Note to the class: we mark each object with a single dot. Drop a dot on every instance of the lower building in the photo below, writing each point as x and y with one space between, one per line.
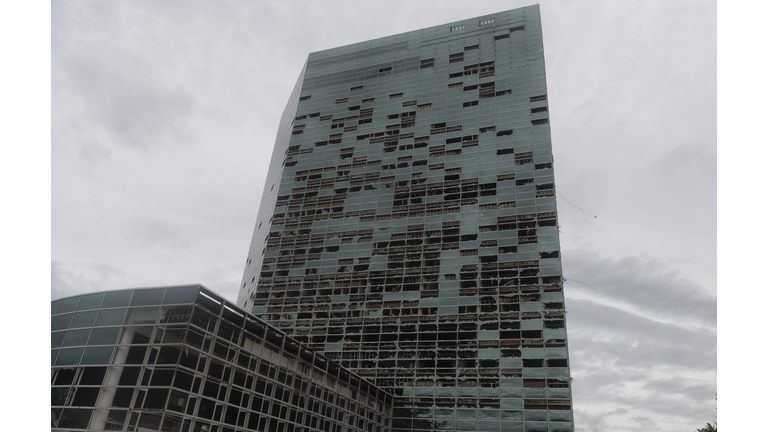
182 359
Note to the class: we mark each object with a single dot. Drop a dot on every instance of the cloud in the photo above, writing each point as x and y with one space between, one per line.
114 86
74 279
640 284
628 365
154 233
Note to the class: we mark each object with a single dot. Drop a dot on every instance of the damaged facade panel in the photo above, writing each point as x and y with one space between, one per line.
426 258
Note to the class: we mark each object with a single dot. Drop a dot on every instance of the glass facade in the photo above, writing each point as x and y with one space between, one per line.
413 236
181 359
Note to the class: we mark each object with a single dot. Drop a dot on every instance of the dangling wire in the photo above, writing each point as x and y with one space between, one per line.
588 213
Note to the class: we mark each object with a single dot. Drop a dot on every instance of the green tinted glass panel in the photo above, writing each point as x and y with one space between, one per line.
68 305
561 427
187 294
535 427
533 415
142 316
560 416
104 336
83 319
57 338
488 414
77 337
512 427
512 415
117 299
69 356
147 297
54 354
110 317
61 322
466 425
97 355
90 301
54 306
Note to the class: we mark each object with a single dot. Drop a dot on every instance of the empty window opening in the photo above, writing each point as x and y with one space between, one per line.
455 58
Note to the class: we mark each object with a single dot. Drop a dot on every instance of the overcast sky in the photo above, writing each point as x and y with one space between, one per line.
164 114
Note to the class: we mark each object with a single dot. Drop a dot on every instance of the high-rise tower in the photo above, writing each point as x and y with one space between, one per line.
408 226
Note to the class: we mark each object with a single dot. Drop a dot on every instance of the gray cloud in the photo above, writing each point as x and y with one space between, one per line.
155 233
650 368
642 342
68 280
136 109
643 283
119 87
